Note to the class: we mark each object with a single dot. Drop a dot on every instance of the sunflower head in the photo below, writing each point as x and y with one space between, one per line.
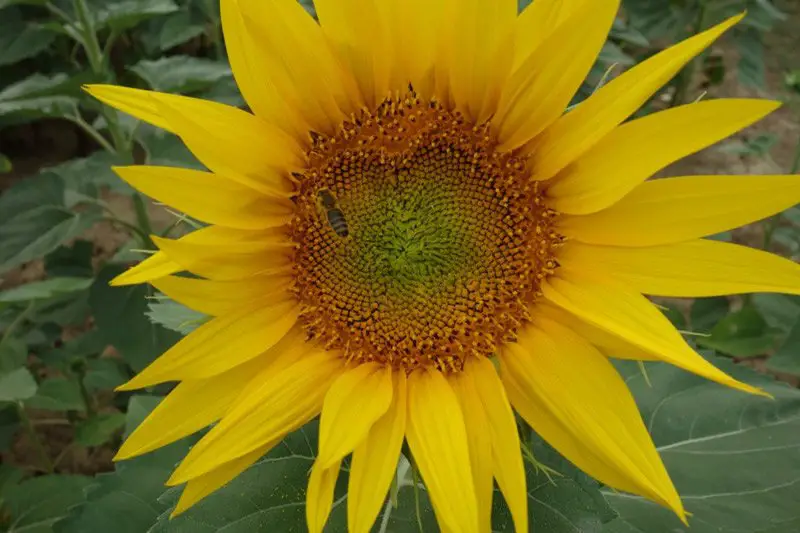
410 233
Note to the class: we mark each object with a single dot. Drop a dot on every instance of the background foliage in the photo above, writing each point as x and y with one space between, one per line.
68 225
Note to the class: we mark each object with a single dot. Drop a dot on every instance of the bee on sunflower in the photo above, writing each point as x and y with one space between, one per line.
498 249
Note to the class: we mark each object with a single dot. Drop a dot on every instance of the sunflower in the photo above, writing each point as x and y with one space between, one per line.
413 235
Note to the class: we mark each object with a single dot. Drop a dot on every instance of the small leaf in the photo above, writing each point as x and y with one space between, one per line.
125 14
31 193
175 316
787 358
21 39
119 313
706 312
104 374
13 353
38 96
42 290
743 333
57 394
17 385
98 429
179 28
181 74
751 57
5 164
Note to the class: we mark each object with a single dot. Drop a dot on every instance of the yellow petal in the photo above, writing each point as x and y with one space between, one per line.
536 22
200 487
283 402
253 76
690 269
220 344
477 423
438 441
225 139
481 34
209 197
608 343
159 265
232 260
355 401
593 119
178 414
319 496
672 210
221 297
507 463
635 151
628 315
572 396
539 91
374 462
301 62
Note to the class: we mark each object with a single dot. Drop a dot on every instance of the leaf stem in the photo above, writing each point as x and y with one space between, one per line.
37 443
93 133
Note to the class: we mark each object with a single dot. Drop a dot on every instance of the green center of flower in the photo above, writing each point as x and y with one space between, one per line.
418 244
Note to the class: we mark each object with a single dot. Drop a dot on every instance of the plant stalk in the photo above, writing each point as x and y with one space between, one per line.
37 443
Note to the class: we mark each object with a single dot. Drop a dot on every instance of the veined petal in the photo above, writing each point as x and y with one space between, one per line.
481 33
572 396
480 442
628 315
230 260
200 487
608 343
178 415
159 265
581 128
254 77
209 197
536 22
283 402
220 344
355 401
690 269
374 461
635 151
438 442
227 140
539 91
506 457
680 209
319 496
301 62
217 298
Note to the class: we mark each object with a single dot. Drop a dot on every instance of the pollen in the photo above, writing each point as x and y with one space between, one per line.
448 240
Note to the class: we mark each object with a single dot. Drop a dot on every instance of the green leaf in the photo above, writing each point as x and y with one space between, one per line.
30 193
104 374
38 96
119 313
121 15
13 353
780 311
168 150
126 501
17 385
85 177
57 394
9 425
787 358
39 232
181 74
751 57
71 261
175 316
80 348
42 290
36 504
706 312
98 429
733 457
9 478
179 28
743 333
21 39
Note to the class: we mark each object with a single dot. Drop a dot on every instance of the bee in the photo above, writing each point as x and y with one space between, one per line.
335 216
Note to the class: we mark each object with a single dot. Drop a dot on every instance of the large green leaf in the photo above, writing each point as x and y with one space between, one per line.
181 74
734 458
42 290
20 39
787 358
29 194
119 313
36 504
